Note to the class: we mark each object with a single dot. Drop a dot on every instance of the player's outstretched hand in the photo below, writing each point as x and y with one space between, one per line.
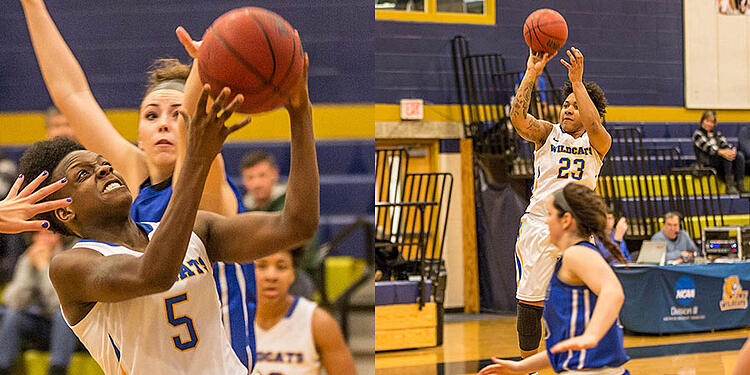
299 96
206 131
18 207
576 343
501 367
575 67
191 46
537 61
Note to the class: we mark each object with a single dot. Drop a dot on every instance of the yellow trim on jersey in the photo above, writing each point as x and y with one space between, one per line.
452 113
330 121
430 14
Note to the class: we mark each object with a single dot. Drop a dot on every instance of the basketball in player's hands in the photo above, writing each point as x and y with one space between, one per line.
255 52
545 30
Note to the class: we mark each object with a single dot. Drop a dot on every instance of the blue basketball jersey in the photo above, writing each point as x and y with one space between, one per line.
235 283
567 312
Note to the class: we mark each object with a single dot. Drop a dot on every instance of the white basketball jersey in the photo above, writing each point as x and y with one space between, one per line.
178 331
288 348
562 159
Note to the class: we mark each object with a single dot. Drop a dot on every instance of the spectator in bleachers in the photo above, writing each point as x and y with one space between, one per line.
33 310
713 150
294 336
680 247
57 125
617 234
260 177
743 145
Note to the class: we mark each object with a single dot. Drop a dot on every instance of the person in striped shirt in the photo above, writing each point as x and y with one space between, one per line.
713 150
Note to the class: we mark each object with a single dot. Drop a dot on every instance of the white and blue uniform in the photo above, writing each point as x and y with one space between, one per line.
562 159
235 282
288 348
178 331
567 312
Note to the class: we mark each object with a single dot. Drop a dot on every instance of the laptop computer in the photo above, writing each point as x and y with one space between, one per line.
652 252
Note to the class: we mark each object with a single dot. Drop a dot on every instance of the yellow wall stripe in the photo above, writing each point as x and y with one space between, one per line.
451 112
330 121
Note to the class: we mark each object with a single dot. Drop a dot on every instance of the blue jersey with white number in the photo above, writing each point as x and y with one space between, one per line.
567 312
235 283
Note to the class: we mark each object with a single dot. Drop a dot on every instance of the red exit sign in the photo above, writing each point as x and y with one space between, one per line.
412 109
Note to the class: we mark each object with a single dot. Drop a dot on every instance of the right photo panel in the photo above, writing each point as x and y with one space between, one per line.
560 187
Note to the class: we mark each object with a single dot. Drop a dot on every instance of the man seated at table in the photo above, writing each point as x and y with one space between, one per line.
680 247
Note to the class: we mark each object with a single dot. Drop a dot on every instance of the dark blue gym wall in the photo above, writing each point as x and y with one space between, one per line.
632 48
115 42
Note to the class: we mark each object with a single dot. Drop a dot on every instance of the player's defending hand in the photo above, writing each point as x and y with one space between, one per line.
501 367
206 131
583 341
575 67
17 207
537 61
191 46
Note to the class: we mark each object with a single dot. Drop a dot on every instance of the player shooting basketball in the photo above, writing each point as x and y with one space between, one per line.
571 151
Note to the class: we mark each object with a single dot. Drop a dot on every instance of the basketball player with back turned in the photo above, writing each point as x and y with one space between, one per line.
571 151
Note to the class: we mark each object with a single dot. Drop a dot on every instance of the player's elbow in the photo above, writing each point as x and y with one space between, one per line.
159 283
302 226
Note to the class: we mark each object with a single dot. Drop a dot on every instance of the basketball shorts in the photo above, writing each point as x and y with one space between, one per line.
535 259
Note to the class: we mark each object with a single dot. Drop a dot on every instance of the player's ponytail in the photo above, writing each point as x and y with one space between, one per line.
590 213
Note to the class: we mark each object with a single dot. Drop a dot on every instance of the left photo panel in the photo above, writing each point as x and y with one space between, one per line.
187 187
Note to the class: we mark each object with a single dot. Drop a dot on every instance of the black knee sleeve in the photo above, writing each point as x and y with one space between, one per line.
529 326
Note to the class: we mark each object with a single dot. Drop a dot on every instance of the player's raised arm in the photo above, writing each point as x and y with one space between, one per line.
249 236
217 196
71 93
528 127
82 275
592 122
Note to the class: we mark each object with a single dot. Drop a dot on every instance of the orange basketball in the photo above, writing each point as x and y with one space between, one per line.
255 52
545 30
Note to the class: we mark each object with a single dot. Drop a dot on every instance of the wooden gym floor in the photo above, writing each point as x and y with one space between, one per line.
470 341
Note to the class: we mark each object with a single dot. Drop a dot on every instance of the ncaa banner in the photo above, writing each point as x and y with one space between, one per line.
685 298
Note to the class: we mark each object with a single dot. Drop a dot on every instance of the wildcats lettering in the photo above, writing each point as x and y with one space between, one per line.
280 357
571 150
191 268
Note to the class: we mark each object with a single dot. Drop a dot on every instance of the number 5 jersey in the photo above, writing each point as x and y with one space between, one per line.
178 331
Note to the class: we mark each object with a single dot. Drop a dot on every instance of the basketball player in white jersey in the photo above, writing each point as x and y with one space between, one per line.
141 296
571 151
294 336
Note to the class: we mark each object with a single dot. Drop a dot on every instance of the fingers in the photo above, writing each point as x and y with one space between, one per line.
203 100
184 37
566 63
239 125
219 103
229 110
29 226
33 185
51 205
47 190
14 189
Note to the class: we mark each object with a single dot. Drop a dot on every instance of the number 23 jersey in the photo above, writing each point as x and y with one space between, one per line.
562 159
178 331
